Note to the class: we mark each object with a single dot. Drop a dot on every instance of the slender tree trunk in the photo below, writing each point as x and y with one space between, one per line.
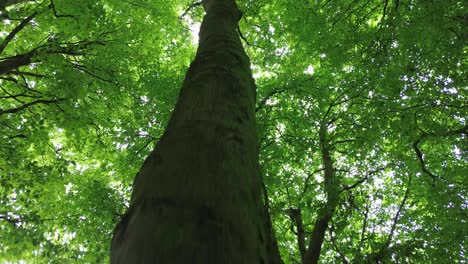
197 198
326 212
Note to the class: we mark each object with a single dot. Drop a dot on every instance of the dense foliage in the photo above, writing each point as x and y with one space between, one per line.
380 86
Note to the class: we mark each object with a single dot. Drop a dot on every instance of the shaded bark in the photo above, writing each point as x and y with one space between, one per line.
197 197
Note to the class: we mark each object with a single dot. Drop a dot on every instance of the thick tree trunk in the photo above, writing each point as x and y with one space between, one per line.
197 198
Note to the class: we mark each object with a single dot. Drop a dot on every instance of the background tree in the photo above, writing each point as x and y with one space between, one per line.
383 80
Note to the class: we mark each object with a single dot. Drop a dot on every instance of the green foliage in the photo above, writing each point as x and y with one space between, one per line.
86 88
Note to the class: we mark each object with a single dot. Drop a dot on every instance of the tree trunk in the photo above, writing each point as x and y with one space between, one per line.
326 212
197 198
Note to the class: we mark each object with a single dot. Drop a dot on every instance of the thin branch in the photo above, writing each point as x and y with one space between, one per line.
193 5
17 136
152 140
270 95
4 216
15 97
83 69
363 231
25 106
346 188
384 13
461 131
32 74
242 36
267 145
333 240
309 176
52 5
342 141
386 245
11 64
9 79
422 161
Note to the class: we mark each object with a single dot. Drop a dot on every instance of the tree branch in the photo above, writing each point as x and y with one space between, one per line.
242 36
14 62
331 186
421 160
15 31
296 218
346 188
384 13
32 74
17 109
386 245
363 231
273 247
463 131
193 5
11 64
52 5
271 94
333 240
306 182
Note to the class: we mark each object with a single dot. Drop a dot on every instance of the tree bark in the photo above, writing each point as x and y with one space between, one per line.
197 197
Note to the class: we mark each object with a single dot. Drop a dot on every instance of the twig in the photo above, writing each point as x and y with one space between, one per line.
386 245
52 5
242 36
189 9
346 188
333 240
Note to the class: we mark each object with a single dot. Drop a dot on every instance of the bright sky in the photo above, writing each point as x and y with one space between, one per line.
194 29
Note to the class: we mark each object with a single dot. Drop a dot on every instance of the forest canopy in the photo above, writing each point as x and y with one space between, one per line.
376 90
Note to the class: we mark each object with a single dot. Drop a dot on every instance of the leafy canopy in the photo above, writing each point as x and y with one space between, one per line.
86 88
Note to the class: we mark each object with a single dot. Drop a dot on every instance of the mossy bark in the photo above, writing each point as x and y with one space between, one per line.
197 198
